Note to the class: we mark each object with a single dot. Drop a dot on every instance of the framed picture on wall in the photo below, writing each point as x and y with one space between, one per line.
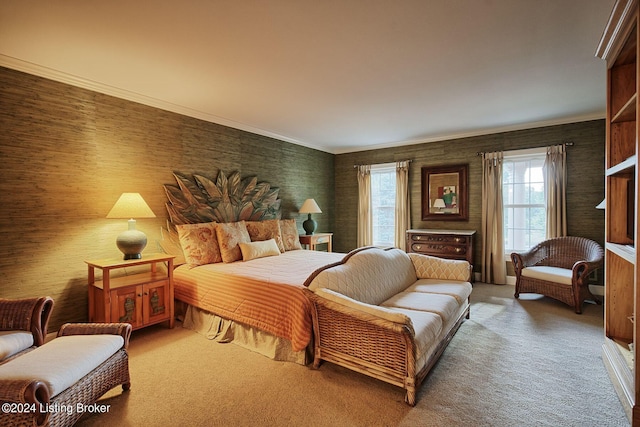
444 193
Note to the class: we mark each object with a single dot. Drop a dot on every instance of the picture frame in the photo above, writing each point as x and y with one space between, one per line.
444 193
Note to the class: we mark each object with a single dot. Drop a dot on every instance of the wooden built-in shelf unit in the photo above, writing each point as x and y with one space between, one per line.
619 48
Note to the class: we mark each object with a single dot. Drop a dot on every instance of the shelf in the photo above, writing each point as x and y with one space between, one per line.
625 352
134 279
619 47
626 252
625 166
628 111
111 263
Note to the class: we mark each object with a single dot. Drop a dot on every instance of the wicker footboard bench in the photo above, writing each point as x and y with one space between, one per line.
388 314
55 383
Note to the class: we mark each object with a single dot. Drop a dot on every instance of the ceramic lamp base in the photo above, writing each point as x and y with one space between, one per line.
131 243
309 225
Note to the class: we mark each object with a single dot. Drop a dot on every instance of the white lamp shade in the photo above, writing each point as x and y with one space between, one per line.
310 206
439 203
131 205
131 242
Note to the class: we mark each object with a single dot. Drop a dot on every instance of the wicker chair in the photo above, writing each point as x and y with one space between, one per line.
559 268
26 315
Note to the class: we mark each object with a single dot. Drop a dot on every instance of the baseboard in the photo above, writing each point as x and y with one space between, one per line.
595 289
511 280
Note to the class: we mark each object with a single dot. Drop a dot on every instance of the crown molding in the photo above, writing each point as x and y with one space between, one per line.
70 79
620 24
61 77
478 132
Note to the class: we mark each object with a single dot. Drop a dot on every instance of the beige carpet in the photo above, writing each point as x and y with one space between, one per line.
532 362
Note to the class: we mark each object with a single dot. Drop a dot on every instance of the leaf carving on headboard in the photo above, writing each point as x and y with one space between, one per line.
227 199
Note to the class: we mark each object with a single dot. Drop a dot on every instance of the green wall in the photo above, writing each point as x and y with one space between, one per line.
585 163
68 153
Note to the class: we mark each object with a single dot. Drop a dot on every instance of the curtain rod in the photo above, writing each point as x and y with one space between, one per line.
408 161
567 143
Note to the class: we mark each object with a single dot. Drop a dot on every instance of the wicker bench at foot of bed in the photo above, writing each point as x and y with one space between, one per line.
33 395
377 348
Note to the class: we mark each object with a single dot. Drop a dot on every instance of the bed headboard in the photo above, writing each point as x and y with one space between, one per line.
229 198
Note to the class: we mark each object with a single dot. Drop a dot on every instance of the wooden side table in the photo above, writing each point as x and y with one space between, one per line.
141 299
312 240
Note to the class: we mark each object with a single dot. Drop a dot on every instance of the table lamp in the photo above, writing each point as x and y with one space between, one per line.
309 207
439 204
131 205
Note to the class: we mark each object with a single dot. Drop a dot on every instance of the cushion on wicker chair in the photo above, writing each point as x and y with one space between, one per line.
427 327
445 306
460 291
384 313
551 274
63 361
12 342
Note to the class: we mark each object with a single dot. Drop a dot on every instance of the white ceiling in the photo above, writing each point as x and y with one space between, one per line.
336 75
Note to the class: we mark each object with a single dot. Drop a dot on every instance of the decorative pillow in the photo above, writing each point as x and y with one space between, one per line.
259 249
265 230
430 267
290 237
199 243
230 234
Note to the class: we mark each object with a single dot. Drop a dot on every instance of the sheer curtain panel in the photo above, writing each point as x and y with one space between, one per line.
494 269
365 229
555 174
403 217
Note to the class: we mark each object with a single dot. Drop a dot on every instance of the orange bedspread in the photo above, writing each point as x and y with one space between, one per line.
265 293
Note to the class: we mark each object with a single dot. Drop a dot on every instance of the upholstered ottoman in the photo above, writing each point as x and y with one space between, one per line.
57 382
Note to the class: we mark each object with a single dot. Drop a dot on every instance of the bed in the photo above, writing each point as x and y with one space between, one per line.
240 269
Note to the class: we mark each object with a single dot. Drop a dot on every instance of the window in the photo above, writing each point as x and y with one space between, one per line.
383 204
524 200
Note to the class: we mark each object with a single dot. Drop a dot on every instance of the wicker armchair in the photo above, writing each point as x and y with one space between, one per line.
27 315
559 268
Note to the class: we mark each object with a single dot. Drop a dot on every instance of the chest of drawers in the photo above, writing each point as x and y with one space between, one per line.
450 244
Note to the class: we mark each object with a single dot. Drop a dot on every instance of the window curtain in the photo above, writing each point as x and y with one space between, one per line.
494 269
365 220
403 217
555 178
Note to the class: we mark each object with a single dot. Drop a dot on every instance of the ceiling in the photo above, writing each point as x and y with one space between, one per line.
336 75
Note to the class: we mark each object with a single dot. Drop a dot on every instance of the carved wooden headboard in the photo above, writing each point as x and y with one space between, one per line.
228 199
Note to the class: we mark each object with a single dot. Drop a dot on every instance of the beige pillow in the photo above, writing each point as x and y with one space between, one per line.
430 267
230 234
290 238
199 243
265 230
259 249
